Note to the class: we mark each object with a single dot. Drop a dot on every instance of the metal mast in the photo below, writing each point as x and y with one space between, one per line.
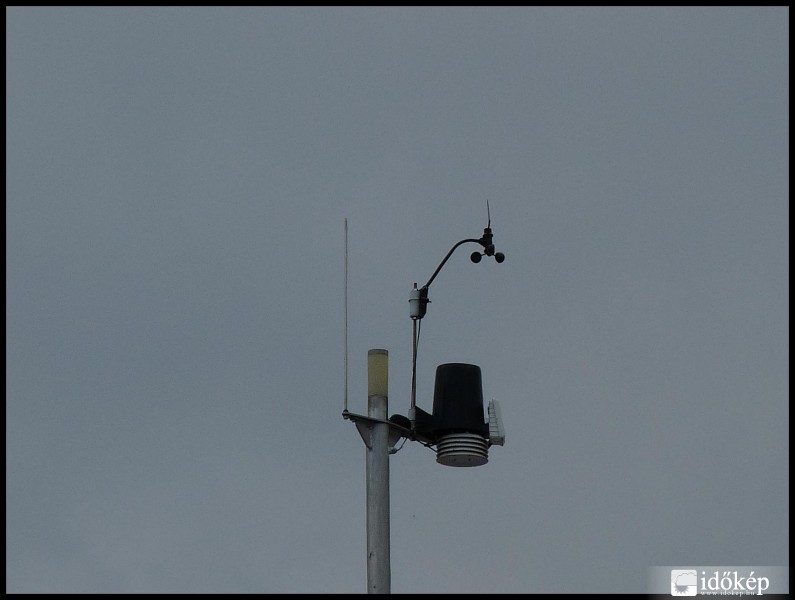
456 426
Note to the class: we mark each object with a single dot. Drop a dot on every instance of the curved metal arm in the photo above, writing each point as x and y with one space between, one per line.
449 254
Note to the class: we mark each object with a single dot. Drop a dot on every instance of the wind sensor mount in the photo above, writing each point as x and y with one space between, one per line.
418 298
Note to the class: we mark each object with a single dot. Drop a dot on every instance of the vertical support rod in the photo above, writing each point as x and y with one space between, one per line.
412 407
345 301
378 564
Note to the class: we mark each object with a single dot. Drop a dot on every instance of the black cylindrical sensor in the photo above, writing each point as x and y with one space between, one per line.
458 399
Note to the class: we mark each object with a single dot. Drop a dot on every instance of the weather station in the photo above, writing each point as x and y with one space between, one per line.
456 428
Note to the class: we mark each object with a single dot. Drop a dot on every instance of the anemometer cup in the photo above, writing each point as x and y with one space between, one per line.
476 257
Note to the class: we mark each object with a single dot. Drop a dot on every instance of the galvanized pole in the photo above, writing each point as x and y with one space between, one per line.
378 568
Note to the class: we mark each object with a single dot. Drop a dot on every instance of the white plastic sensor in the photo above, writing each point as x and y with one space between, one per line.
414 303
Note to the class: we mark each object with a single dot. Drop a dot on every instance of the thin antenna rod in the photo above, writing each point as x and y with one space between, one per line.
488 212
345 404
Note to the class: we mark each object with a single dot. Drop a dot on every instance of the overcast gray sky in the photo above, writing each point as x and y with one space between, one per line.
177 181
